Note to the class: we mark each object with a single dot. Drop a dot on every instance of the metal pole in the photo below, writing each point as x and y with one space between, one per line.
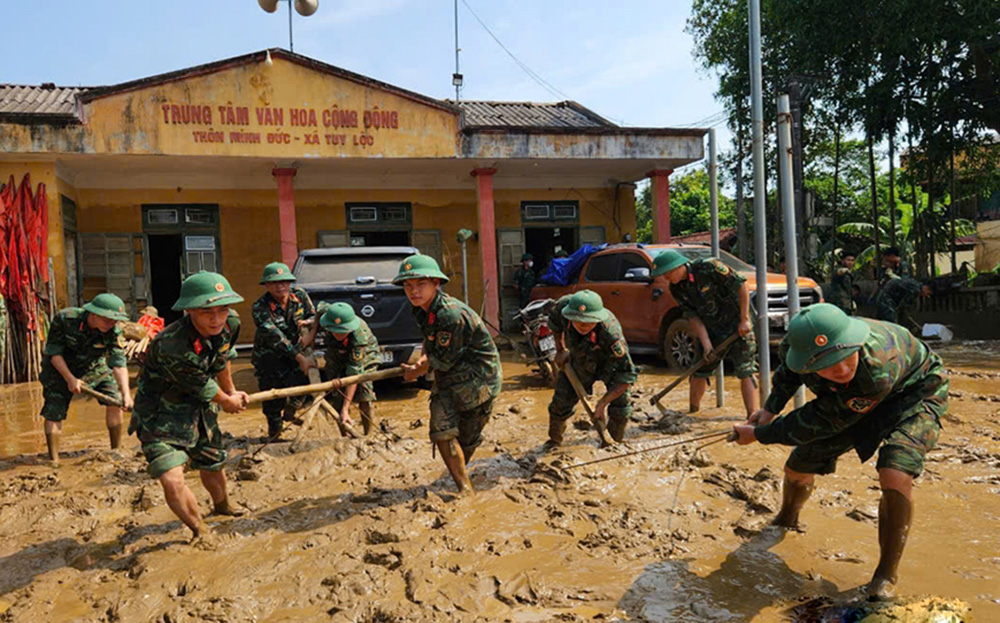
787 195
713 192
291 46
759 214
465 273
456 55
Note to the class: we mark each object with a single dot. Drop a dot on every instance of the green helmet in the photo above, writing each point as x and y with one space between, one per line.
339 318
205 289
822 335
276 271
527 256
419 267
666 261
585 306
107 305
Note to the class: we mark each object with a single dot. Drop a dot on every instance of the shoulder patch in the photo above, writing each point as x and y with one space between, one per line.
443 338
357 354
619 349
861 404
121 341
224 347
721 268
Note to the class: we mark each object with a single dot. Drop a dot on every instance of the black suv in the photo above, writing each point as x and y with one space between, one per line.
362 277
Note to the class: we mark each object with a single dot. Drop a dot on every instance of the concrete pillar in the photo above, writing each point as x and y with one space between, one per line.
488 243
660 187
286 215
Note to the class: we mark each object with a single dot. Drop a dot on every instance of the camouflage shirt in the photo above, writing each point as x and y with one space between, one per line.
897 292
461 353
894 272
894 368
842 294
277 339
177 382
86 351
354 355
602 354
525 279
711 292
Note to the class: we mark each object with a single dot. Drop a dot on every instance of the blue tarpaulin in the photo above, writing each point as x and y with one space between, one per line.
562 270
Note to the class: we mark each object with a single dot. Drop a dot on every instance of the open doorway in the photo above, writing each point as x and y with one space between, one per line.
165 252
543 243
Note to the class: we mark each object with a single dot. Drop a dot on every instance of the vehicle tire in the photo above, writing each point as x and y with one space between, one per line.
680 346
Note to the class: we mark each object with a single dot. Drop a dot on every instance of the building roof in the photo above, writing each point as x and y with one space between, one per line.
506 115
46 102
726 235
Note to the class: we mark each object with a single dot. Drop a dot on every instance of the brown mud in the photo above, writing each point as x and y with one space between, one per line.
371 530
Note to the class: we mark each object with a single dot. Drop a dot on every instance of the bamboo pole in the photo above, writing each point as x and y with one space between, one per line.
301 390
307 419
101 396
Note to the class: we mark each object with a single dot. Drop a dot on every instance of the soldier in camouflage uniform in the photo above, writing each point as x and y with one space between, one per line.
589 337
282 316
877 388
351 349
897 297
466 365
842 294
185 375
716 301
84 346
525 279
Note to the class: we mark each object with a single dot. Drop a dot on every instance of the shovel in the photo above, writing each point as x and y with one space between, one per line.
712 355
581 393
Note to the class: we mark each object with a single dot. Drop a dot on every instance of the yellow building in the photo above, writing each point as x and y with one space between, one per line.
234 164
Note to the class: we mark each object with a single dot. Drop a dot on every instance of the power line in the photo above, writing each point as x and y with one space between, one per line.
534 76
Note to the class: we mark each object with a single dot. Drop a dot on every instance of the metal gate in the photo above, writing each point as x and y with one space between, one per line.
510 247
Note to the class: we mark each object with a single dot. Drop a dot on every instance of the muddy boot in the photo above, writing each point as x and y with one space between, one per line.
115 435
616 428
895 514
793 498
693 408
288 413
556 429
273 430
367 410
52 441
451 452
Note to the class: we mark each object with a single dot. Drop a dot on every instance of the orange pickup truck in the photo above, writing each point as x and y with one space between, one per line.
649 314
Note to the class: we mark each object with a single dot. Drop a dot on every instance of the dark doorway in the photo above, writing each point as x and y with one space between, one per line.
543 243
390 238
165 252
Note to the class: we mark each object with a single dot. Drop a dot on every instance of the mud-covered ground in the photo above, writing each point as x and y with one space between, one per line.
370 530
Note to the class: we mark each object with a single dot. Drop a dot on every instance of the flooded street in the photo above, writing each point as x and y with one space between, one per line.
370 530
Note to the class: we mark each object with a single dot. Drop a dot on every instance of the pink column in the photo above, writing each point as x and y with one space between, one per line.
660 180
286 215
488 243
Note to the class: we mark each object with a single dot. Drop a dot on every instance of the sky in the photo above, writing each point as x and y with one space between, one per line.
630 60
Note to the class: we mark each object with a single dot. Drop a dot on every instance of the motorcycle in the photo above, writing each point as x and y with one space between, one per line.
539 346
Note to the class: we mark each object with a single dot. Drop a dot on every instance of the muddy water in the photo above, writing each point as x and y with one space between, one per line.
370 530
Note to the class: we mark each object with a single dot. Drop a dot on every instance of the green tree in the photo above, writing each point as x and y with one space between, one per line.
690 207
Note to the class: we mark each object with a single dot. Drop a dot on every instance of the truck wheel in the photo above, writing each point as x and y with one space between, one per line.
680 346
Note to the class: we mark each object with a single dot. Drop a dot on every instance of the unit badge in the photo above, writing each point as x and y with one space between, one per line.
444 338
861 405
618 349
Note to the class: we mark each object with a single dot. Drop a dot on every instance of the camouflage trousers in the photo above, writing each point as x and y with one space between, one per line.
278 378
889 310
743 354
57 396
915 426
466 426
564 401
364 393
170 447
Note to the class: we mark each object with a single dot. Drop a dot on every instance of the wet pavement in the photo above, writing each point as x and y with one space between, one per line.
371 530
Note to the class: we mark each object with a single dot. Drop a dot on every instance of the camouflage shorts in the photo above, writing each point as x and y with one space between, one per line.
205 454
564 401
57 396
466 426
364 393
903 448
743 354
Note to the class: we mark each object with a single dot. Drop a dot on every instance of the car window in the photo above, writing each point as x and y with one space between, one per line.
603 267
347 268
630 260
700 253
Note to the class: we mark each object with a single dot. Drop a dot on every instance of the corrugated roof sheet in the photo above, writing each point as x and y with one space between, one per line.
42 101
565 114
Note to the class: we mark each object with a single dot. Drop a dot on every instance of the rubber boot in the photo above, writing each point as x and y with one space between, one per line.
288 413
367 410
273 429
115 435
793 498
52 441
616 428
895 515
451 452
556 429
